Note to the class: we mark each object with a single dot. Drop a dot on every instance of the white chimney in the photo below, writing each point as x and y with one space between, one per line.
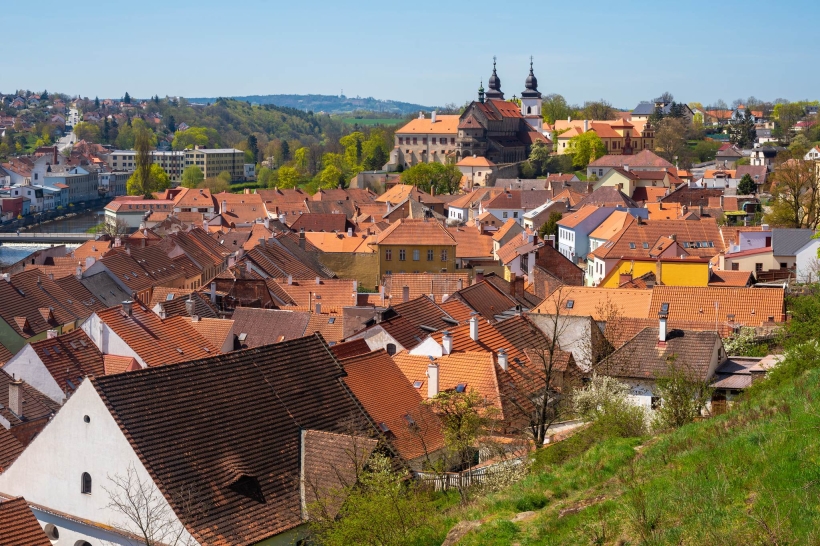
586 125
319 308
189 305
6 277
51 334
447 342
474 328
318 280
89 261
502 359
405 294
662 327
459 284
432 379
290 280
126 307
213 293
224 208
433 117
16 396
350 232
162 314
389 206
79 273
282 219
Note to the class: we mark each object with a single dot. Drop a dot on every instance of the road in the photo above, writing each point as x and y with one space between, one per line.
28 237
70 139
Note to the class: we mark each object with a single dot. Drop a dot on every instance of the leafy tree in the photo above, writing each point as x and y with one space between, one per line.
157 180
195 136
742 130
670 138
225 176
746 186
425 176
555 107
683 395
795 193
192 176
799 146
586 148
600 110
376 151
88 131
539 155
353 145
787 115
215 185
300 159
330 177
127 98
667 97
550 227
289 177
705 150
264 176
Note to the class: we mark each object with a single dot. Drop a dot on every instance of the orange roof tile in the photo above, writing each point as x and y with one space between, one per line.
409 231
331 326
423 284
390 398
445 124
750 306
333 294
457 309
18 525
471 243
120 364
214 330
339 242
612 225
573 219
475 161
591 302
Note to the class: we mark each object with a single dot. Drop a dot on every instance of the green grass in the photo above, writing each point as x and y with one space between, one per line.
95 229
372 121
581 174
751 476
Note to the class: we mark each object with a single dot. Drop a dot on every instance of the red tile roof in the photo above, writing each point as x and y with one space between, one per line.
423 284
409 231
486 299
750 306
10 449
19 526
333 294
389 398
70 357
119 364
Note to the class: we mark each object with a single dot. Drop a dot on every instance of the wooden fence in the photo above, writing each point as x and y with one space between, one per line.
442 481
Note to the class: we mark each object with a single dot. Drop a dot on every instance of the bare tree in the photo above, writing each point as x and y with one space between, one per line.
114 229
795 192
148 514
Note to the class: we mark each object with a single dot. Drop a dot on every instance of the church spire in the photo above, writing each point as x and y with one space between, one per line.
481 92
531 85
494 85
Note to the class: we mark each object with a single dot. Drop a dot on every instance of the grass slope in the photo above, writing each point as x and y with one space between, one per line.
751 476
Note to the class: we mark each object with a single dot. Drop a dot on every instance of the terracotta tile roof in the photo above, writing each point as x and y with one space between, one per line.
405 332
400 192
423 284
471 243
570 220
471 199
409 231
389 398
332 463
78 293
276 261
607 196
349 349
69 358
502 232
699 238
321 222
19 526
644 357
194 198
663 211
623 329
166 293
486 299
36 405
330 326
718 277
266 326
422 312
284 389
120 364
519 199
157 342
646 194
333 294
178 307
642 159
588 301
215 330
474 161
27 294
750 306
445 124
10 449
58 268
527 299
612 225
457 309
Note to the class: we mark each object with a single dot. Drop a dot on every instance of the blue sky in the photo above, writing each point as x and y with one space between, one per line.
427 52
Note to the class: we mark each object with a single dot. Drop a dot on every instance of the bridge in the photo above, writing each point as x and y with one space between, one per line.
45 238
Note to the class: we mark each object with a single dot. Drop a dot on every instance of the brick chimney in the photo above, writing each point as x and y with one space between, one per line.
479 275
624 278
16 396
189 305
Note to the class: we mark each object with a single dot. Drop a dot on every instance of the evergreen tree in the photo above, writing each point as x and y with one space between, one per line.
285 150
106 130
44 96
746 186
156 99
172 124
127 98
96 103
656 117
253 147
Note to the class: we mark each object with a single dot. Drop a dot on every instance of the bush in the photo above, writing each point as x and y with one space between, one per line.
531 501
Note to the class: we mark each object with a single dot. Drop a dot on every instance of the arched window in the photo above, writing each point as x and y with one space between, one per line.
391 349
529 109
85 486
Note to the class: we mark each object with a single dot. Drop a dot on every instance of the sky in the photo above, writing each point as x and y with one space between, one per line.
425 52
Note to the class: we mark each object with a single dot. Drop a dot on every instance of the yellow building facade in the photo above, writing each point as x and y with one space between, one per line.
415 246
675 272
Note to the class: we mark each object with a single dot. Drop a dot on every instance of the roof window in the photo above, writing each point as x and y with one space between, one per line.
243 336
417 384
461 387
570 304
383 427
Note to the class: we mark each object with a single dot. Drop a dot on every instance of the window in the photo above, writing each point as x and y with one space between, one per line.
504 214
443 255
402 255
515 215
758 268
783 265
415 140
85 486
735 267
401 140
424 140
429 255
416 254
388 254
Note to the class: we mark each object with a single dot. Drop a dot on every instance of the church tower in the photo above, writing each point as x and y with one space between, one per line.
494 85
531 102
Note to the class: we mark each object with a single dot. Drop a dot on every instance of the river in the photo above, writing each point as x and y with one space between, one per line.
11 253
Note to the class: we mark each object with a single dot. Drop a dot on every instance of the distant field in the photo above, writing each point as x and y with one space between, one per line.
374 121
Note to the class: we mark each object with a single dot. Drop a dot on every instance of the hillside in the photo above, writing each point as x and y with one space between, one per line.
328 104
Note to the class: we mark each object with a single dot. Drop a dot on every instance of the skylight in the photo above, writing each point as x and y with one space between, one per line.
665 308
169 297
331 320
417 384
383 427
570 304
243 336
461 387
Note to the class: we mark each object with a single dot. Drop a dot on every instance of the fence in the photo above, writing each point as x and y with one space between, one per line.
466 478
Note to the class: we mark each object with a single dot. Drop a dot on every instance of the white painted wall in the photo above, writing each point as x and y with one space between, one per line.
107 341
377 338
805 261
49 471
428 347
28 366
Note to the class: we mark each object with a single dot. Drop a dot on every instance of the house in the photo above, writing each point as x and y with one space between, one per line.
415 246
813 154
646 109
765 156
727 156
629 181
438 286
477 171
425 140
308 422
488 301
756 172
575 227
18 525
620 137
645 160
797 250
558 204
513 204
650 355
465 208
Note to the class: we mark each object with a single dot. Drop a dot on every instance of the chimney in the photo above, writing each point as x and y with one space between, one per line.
89 261
213 293
626 168
432 379
261 241
302 238
479 275
447 342
513 278
51 334
247 191
639 220
459 283
405 294
162 314
318 281
663 315
79 273
266 222
318 308
282 218
189 305
586 125
433 117
502 359
389 207
16 396
6 277
350 232
474 328
117 242
126 307
624 278
290 280
224 208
